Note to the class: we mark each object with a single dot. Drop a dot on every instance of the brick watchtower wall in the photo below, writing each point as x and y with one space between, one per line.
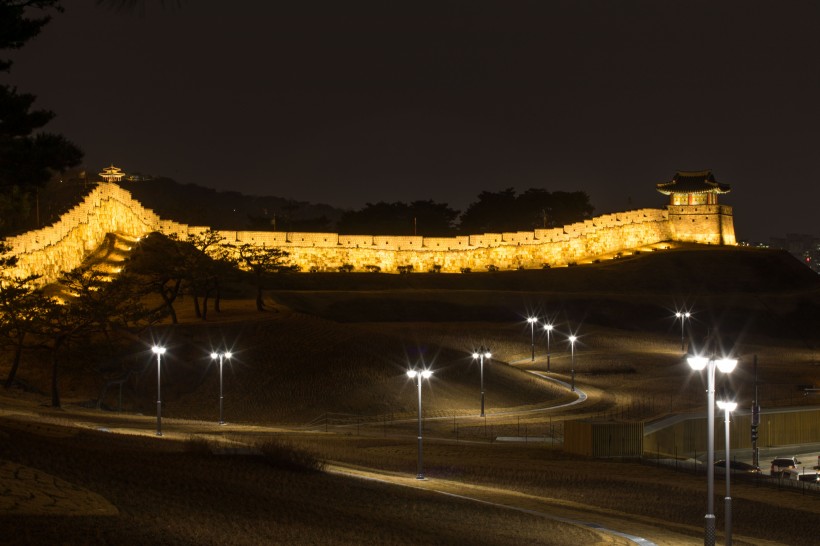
705 224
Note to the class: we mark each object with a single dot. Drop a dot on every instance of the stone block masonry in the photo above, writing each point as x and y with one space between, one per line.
64 245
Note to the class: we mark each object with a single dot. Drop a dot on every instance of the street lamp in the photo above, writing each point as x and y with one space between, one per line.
220 356
532 321
728 406
548 328
418 375
725 365
481 355
159 351
682 316
572 339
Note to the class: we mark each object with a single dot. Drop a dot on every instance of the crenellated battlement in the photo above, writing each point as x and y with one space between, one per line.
109 208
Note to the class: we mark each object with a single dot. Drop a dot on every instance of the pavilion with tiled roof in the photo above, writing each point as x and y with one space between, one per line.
693 188
112 174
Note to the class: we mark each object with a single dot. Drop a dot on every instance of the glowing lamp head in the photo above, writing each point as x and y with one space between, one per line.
228 355
214 356
488 354
727 405
532 320
158 350
426 374
548 327
411 373
687 314
697 363
572 339
678 314
476 355
726 365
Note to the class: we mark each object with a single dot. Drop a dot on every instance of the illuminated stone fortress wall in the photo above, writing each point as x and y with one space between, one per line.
64 245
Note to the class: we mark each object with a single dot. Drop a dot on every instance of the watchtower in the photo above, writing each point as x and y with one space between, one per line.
112 174
694 213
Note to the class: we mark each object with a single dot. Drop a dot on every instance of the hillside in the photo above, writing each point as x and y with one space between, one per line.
739 289
200 206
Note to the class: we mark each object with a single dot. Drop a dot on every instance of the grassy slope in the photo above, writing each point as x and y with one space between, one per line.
178 494
293 367
736 288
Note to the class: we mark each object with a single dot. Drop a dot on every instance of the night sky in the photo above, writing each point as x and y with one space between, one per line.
349 102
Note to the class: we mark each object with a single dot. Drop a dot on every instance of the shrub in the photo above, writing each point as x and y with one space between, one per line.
435 269
285 456
492 268
314 269
345 268
197 445
545 265
466 270
372 268
404 269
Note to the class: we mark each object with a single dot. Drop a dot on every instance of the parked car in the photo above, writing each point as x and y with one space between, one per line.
811 476
782 466
737 466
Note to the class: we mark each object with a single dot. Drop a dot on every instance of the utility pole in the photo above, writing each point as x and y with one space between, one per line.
755 421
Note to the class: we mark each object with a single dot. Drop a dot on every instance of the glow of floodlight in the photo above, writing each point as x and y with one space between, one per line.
727 405
697 363
726 365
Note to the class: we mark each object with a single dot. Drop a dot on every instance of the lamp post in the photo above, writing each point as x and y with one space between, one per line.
682 316
572 340
418 375
481 355
728 406
220 356
159 351
548 328
725 365
532 321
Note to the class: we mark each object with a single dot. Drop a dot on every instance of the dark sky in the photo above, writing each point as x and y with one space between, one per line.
348 102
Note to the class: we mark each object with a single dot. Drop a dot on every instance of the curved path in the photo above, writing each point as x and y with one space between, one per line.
609 523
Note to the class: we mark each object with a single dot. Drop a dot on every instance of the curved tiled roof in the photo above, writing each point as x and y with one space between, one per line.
693 182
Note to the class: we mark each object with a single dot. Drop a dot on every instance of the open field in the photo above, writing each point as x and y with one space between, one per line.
324 374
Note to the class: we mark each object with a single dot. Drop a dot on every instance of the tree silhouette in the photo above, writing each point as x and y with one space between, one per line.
503 211
262 262
21 302
417 218
28 158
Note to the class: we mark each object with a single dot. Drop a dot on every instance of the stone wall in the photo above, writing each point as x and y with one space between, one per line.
706 224
110 209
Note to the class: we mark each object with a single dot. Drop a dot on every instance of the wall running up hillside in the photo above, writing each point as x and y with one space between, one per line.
110 209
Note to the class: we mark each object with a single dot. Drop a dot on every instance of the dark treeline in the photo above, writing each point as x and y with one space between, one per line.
29 156
492 212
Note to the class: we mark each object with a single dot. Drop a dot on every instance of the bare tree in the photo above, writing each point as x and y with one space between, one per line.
262 262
